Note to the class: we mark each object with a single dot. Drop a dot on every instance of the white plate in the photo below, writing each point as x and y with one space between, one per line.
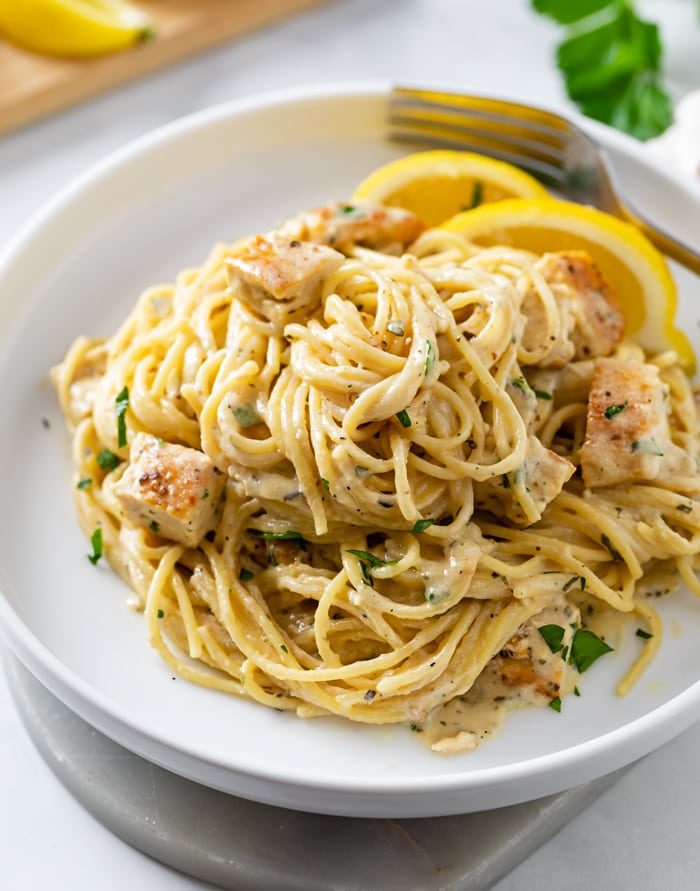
139 217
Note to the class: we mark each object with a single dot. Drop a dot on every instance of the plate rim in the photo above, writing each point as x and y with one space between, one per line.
667 719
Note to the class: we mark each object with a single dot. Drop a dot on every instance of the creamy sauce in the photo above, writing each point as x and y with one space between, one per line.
525 674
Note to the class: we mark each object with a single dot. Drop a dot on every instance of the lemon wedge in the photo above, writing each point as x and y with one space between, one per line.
633 266
436 185
74 28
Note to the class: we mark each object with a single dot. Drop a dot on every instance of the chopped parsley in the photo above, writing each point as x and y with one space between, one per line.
421 525
107 460
246 415
646 446
553 636
477 194
153 526
520 384
370 559
278 536
613 410
284 648
541 394
645 635
404 418
555 704
429 359
84 483
96 541
121 404
435 595
289 535
160 613
245 575
326 485
586 648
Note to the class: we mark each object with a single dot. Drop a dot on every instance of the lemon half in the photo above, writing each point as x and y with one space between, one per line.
633 266
436 185
74 28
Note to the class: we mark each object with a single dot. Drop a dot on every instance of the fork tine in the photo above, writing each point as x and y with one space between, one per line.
530 138
421 133
538 118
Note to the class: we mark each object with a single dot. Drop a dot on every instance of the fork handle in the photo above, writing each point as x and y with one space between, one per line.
673 248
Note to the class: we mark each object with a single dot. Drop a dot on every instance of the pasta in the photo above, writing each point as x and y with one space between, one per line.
351 467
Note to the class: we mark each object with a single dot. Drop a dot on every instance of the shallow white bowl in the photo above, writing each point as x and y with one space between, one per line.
147 211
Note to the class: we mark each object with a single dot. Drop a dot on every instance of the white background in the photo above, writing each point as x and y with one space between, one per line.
641 834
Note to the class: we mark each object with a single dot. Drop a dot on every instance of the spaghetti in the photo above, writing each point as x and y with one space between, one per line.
343 467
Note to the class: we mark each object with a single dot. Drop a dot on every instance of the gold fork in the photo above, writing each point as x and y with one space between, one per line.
546 145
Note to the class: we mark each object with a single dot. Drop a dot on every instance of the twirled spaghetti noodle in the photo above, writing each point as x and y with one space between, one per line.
398 442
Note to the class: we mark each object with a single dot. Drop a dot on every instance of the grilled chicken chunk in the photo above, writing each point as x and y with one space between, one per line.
279 277
627 431
527 662
593 322
543 475
172 489
372 225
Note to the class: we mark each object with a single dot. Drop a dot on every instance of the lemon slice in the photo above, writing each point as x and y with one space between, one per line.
633 266
74 28
436 185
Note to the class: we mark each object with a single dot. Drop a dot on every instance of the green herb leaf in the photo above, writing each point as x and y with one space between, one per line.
429 359
160 614
404 418
290 534
613 410
421 525
246 415
245 575
284 648
326 485
541 394
520 383
553 636
555 704
121 404
370 559
154 527
646 446
646 635
477 194
84 483
107 460
611 62
96 541
586 648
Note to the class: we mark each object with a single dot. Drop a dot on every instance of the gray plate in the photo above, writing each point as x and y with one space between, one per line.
245 846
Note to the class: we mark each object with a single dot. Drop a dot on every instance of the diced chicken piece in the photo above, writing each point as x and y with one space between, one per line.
171 489
527 661
592 322
279 277
543 476
599 320
627 431
371 225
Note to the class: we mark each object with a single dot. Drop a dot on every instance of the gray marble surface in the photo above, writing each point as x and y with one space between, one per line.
640 834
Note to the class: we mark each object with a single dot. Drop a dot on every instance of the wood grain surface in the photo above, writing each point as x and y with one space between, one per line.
32 86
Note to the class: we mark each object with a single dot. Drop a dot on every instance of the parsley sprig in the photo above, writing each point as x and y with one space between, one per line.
611 62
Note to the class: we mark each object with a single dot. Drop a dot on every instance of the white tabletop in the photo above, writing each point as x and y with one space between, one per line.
639 835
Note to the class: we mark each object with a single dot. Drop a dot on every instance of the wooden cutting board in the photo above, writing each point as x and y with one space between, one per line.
32 86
